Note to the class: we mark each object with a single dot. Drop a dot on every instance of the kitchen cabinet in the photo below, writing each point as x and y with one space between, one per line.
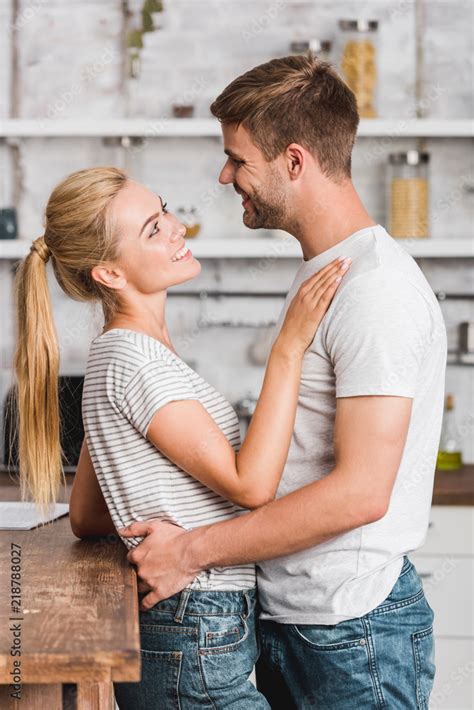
446 565
454 688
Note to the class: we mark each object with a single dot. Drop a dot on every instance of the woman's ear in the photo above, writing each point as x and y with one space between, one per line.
109 276
295 160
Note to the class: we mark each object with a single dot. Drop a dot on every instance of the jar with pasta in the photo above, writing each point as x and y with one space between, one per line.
408 194
359 62
190 218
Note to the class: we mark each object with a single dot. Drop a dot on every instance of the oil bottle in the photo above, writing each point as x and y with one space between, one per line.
449 453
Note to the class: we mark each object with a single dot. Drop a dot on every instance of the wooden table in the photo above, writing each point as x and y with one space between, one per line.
80 610
76 620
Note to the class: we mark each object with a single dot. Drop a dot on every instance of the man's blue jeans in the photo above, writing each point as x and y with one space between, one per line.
384 659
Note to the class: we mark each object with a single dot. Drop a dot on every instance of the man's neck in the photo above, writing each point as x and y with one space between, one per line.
326 221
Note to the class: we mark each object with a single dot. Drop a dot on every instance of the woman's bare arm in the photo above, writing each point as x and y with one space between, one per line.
188 436
88 512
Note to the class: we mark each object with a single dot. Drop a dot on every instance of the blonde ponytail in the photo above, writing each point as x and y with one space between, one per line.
37 367
78 236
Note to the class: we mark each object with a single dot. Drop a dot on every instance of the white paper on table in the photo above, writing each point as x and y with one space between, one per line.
22 515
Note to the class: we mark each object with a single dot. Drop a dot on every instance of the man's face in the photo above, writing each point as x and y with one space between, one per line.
258 182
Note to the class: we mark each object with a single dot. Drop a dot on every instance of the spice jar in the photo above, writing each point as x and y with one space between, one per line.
408 194
183 110
359 62
190 218
319 47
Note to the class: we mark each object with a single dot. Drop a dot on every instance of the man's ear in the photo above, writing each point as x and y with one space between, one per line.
109 276
295 160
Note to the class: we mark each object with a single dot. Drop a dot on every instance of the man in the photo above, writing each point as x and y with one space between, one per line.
344 621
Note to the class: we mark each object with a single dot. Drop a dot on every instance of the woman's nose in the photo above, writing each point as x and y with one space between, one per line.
178 233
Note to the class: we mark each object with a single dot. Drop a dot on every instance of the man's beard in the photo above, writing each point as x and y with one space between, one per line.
269 208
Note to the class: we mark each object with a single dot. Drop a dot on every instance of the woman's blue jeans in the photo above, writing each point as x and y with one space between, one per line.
198 650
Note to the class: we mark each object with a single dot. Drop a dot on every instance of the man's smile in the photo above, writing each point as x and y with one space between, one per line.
246 201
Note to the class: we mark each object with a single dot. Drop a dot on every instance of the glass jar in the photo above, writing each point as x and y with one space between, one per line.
8 223
359 62
408 194
319 47
190 218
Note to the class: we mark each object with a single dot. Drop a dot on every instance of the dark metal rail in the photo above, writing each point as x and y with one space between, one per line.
440 295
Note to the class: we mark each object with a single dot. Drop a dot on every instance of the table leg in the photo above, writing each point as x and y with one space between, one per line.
95 696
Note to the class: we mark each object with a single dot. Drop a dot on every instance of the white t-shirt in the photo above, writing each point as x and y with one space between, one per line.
383 334
129 377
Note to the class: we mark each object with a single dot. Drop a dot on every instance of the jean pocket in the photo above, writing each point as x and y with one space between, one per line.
222 633
424 659
346 634
226 663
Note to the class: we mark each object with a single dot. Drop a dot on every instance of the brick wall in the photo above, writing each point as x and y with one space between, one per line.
69 62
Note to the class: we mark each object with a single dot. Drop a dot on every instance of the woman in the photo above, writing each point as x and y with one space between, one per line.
163 443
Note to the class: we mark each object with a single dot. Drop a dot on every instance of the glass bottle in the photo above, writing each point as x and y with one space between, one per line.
359 62
449 453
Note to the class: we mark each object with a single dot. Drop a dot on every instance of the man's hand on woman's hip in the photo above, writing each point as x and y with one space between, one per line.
162 559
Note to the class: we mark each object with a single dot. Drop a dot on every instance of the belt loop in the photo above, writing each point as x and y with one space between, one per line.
248 607
182 604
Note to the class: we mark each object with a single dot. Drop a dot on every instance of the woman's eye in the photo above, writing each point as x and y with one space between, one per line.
155 230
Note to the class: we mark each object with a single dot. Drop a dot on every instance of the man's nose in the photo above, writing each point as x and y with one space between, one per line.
227 175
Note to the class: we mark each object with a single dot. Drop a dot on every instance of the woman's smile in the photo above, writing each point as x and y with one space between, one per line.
183 253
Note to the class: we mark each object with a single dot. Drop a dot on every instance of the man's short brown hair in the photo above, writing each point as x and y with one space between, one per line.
296 99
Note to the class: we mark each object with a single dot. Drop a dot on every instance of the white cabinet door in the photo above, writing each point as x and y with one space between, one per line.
451 531
449 587
454 681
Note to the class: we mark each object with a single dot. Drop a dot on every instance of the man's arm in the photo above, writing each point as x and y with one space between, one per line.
369 439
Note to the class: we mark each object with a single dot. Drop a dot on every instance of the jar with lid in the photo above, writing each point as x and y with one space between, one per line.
408 197
190 218
359 62
319 47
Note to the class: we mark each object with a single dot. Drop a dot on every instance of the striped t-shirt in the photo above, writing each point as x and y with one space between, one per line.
129 377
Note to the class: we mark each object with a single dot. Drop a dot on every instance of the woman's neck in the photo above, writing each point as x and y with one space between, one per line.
156 330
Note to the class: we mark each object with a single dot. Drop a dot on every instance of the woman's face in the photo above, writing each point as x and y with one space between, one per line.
153 251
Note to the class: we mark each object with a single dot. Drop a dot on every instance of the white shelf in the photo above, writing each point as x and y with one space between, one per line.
439 248
205 127
34 128
421 128
268 248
